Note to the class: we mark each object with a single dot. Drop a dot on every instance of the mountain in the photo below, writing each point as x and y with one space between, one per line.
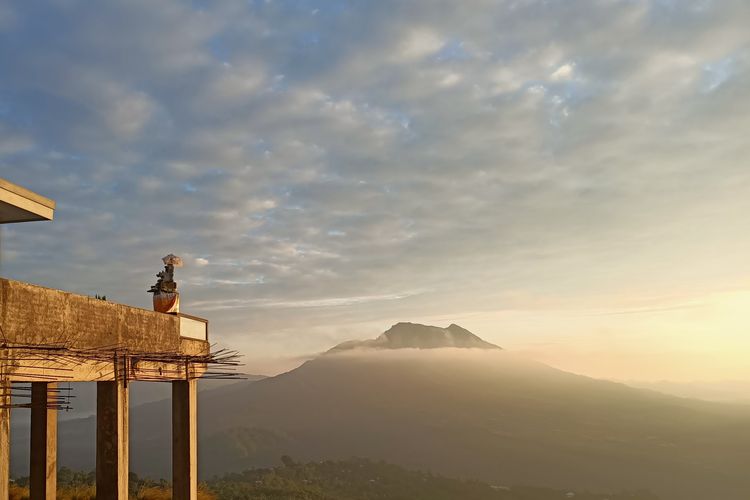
484 413
416 336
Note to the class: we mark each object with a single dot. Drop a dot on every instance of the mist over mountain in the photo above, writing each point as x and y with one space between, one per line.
728 391
415 336
481 413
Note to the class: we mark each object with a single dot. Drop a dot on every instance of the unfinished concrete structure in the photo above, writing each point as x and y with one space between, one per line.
48 336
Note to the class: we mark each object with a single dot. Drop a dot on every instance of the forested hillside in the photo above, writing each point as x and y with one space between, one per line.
361 479
353 479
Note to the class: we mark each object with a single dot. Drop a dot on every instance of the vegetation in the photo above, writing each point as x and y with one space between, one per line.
77 485
361 479
353 479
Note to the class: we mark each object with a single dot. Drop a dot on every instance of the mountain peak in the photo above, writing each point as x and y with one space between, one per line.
406 335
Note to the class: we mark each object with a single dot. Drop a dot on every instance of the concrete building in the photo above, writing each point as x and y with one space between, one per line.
50 336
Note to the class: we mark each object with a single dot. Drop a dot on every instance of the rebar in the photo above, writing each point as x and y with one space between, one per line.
22 360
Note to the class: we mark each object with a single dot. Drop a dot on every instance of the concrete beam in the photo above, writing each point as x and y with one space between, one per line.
100 371
4 438
112 440
185 439
43 463
18 204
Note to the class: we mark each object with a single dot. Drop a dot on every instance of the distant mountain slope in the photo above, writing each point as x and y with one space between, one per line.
478 413
730 391
416 336
84 394
84 410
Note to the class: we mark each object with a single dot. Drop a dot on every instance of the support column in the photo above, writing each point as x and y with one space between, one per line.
185 439
4 438
43 464
111 440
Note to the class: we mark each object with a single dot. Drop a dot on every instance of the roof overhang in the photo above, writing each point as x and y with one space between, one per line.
18 204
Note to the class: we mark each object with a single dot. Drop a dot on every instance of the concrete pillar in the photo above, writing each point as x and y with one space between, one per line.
43 455
111 440
4 438
185 440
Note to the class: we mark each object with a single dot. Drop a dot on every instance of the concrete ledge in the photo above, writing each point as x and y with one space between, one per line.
18 204
31 315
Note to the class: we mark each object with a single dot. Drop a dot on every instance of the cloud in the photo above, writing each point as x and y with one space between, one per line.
320 302
373 149
419 42
13 142
450 79
564 72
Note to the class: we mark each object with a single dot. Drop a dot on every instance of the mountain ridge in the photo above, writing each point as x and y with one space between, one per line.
407 335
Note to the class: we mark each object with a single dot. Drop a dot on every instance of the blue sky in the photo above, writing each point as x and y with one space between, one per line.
523 168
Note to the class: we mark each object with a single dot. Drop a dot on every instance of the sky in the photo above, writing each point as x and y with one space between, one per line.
567 179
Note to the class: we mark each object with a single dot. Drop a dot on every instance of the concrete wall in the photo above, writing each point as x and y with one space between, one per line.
32 314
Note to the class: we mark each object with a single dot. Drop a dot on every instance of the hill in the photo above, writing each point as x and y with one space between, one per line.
473 413
361 479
